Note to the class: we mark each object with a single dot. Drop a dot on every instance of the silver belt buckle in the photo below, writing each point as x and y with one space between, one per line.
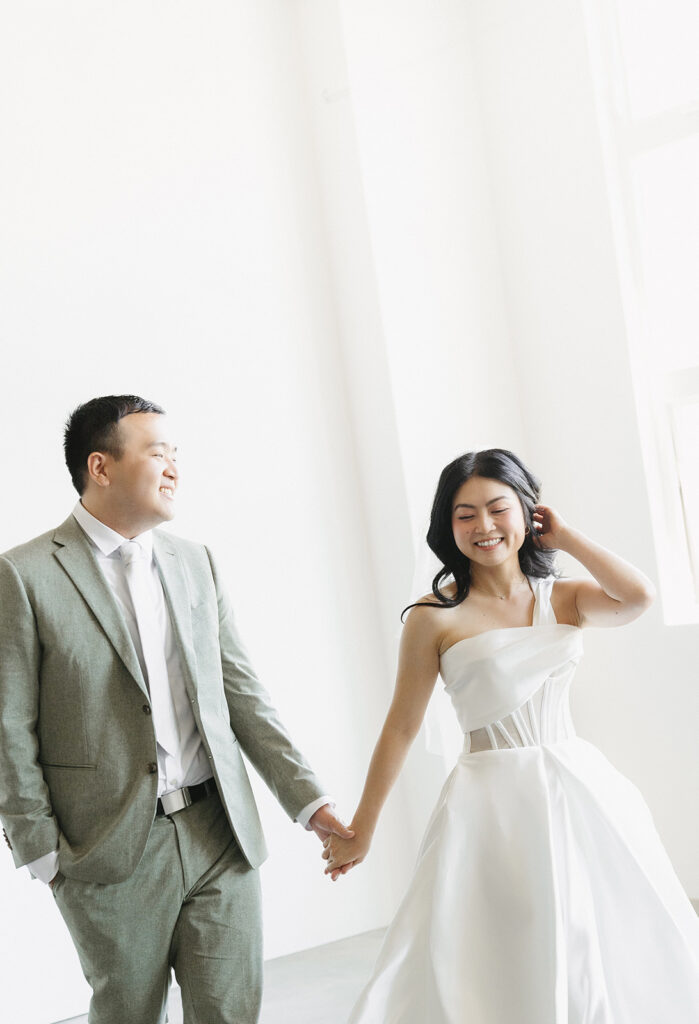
176 801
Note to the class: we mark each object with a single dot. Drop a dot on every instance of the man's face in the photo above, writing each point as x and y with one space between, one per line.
142 483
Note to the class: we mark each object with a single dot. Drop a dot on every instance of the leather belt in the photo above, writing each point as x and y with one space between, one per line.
171 803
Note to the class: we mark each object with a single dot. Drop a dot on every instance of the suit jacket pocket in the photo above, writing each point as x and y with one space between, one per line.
62 729
54 764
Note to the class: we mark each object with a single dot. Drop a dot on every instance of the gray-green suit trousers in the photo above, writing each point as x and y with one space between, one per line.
193 905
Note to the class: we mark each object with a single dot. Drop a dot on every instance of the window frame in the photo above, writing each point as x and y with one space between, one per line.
658 396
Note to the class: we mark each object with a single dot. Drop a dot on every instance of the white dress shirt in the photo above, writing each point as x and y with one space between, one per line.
188 765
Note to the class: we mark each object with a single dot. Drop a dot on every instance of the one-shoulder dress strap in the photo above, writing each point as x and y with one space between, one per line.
543 610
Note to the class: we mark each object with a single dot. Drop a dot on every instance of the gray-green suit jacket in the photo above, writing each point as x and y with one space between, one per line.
77 748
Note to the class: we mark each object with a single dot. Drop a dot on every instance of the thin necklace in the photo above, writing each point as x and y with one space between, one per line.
503 597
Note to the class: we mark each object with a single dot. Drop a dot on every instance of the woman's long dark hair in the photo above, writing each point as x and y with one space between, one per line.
494 464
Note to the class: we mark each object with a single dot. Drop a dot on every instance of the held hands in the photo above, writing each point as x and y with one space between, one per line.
550 529
325 823
328 827
343 854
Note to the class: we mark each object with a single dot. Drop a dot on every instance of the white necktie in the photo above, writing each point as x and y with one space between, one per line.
138 570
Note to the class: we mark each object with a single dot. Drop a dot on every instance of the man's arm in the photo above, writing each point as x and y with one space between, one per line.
25 807
256 722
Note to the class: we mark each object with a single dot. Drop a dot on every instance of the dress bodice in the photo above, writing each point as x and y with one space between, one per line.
509 687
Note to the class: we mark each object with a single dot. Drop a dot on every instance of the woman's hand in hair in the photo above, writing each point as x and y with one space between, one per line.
549 527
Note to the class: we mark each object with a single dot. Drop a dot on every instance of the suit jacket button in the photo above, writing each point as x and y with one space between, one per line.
146 709
152 767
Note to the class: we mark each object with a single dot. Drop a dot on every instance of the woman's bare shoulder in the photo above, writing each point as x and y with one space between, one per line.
430 602
428 617
424 607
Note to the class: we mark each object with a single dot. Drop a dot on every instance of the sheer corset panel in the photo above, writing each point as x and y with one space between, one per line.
544 718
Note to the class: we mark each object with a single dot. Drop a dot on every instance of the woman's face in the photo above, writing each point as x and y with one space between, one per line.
487 521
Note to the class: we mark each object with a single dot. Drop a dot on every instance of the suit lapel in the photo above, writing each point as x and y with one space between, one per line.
78 560
174 582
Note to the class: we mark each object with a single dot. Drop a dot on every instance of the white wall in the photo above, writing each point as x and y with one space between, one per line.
435 249
422 321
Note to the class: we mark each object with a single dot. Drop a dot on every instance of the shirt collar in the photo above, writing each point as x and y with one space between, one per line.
104 537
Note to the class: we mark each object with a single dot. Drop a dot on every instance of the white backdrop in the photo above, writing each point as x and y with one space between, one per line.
327 237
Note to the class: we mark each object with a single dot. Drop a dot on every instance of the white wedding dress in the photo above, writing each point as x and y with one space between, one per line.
542 893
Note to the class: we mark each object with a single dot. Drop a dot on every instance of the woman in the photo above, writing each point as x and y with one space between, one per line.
542 893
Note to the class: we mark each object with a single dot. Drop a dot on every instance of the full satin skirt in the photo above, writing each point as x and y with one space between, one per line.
542 895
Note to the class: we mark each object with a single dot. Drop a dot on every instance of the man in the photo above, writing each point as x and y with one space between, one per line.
125 699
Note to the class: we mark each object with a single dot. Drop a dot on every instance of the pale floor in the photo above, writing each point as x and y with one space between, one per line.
316 986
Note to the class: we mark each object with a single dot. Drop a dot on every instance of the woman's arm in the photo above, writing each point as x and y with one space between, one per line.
619 592
418 667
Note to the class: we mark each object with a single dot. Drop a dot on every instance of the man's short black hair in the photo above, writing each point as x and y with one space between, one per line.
94 427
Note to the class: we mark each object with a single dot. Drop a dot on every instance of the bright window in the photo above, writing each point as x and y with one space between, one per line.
645 60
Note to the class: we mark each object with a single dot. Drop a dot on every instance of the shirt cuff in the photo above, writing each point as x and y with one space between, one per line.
304 816
45 868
